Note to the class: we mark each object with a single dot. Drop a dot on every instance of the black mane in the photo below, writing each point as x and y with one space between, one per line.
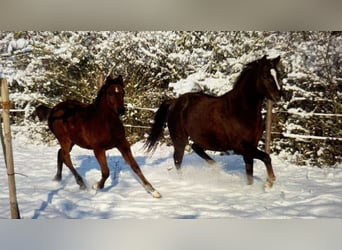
248 71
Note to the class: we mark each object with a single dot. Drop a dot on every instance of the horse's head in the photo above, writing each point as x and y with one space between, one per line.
269 84
114 94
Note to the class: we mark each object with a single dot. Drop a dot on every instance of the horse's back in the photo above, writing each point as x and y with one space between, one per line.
63 110
197 106
64 118
68 105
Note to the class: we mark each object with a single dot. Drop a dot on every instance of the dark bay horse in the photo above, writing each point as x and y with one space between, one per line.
232 121
95 126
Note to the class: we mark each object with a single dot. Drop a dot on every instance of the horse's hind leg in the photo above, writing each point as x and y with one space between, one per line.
198 150
178 155
179 143
249 169
101 158
126 152
65 156
58 176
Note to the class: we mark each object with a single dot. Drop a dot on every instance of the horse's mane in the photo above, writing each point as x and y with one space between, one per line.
101 92
247 72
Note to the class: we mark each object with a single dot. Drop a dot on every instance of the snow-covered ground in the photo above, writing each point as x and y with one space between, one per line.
199 191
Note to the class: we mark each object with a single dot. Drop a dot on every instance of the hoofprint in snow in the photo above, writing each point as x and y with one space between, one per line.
198 191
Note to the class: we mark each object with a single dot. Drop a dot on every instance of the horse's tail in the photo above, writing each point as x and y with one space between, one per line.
158 126
42 112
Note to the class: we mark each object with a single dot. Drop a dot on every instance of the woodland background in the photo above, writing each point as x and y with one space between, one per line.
48 67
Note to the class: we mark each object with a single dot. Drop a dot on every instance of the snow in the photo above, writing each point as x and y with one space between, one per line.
198 191
20 45
199 81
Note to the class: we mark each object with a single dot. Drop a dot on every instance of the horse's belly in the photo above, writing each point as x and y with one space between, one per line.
221 138
215 142
90 138
88 143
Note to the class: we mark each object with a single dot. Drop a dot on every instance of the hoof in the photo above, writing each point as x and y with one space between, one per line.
57 178
83 187
152 191
213 163
95 186
269 184
156 194
250 180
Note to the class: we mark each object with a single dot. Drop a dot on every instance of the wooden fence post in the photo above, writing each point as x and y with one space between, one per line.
8 149
268 126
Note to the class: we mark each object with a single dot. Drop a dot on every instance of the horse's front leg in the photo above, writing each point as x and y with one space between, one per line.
100 155
267 161
125 150
249 169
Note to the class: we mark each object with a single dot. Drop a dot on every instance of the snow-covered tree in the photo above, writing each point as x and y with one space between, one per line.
48 67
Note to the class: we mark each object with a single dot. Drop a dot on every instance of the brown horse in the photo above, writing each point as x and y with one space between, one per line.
232 121
96 126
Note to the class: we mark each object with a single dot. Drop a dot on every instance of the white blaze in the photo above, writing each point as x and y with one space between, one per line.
274 74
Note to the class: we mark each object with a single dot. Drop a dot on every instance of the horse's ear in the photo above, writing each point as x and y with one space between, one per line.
264 58
120 80
107 80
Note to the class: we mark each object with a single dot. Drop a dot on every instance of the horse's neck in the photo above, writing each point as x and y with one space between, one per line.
244 97
102 112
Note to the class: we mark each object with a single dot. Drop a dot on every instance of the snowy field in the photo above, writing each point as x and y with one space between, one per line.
199 191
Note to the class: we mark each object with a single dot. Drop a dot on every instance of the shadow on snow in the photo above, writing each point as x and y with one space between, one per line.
229 163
